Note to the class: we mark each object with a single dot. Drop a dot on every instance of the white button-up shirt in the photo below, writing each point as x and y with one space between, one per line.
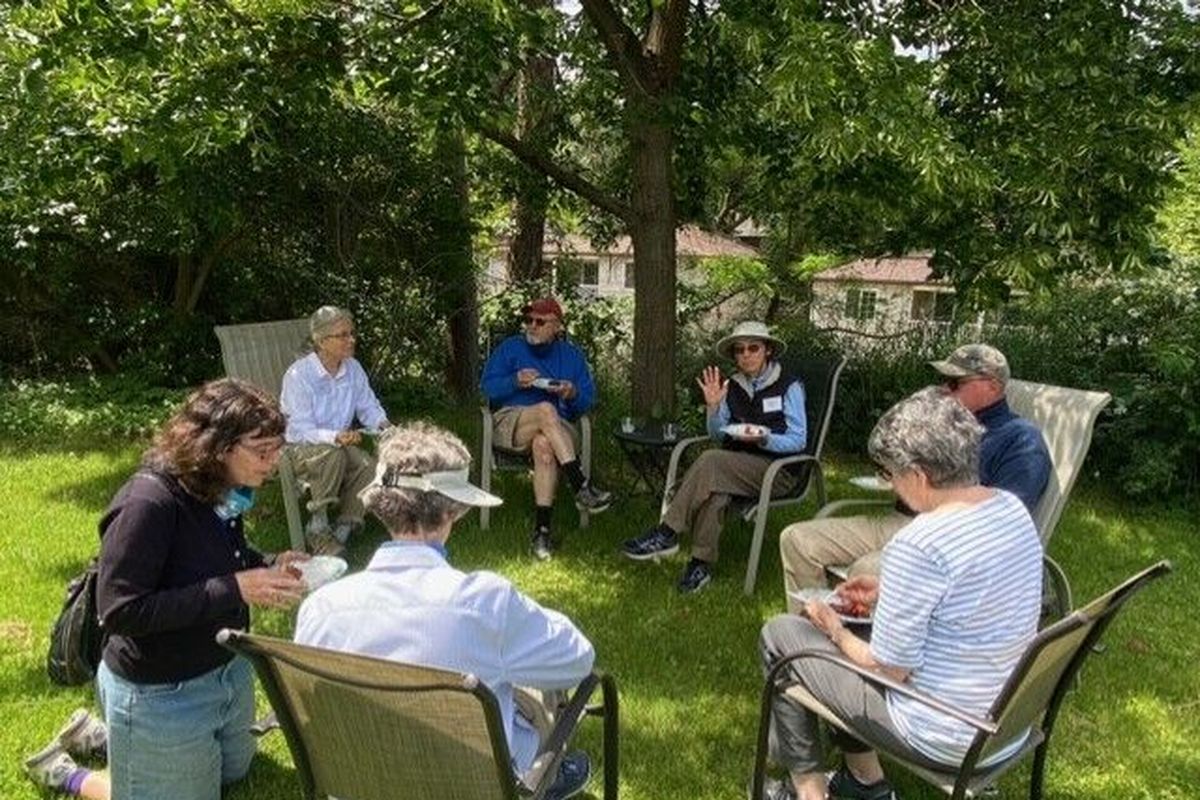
318 405
410 605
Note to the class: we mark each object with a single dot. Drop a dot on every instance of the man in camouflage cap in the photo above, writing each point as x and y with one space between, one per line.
1012 456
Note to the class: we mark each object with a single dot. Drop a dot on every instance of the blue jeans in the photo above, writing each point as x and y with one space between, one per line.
178 741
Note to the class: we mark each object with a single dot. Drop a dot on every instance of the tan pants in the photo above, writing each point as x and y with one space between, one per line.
335 474
715 478
806 548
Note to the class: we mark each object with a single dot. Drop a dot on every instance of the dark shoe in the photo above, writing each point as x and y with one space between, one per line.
83 735
541 544
573 773
774 789
654 543
51 767
591 499
844 786
696 576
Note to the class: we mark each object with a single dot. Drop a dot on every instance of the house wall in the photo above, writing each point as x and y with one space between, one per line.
892 308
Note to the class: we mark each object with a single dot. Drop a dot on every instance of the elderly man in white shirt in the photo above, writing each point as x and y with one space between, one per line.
323 393
411 605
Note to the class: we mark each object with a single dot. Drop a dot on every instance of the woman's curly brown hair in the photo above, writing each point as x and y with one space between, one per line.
211 422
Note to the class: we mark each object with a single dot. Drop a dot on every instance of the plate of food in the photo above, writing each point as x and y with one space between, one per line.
873 483
317 571
850 614
745 432
546 383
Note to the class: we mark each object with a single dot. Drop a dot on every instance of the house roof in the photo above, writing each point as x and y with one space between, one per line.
690 241
912 269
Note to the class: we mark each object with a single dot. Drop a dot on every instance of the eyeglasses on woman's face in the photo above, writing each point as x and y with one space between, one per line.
263 449
343 335
751 348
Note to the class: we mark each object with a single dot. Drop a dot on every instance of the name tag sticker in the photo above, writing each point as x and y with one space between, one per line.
772 404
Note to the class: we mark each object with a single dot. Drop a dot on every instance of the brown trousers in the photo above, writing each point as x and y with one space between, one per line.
715 478
335 474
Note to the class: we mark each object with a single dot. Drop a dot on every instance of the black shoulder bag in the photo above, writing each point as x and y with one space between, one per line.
77 640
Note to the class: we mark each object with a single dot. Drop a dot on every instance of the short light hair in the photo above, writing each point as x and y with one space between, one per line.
324 320
416 448
932 432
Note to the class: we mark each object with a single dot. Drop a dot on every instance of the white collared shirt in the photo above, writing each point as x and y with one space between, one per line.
410 605
318 405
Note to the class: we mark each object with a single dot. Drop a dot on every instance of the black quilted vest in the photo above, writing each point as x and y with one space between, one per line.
744 408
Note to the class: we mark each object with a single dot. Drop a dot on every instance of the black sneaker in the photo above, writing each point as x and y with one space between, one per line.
573 773
541 544
654 543
591 499
844 786
696 576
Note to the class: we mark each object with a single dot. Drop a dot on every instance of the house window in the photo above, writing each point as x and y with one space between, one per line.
933 306
860 304
628 274
589 273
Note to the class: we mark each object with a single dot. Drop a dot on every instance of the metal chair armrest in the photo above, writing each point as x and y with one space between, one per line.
837 506
874 676
768 483
673 465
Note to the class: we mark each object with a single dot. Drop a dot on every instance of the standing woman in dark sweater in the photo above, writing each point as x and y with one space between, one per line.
175 569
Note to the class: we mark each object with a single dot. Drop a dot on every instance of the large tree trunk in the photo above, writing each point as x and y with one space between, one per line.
534 127
452 244
652 230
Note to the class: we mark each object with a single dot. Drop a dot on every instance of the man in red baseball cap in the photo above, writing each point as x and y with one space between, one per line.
538 384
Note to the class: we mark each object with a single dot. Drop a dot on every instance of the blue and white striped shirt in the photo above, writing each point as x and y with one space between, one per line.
318 405
959 599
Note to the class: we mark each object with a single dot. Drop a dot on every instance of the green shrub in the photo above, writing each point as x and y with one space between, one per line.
84 409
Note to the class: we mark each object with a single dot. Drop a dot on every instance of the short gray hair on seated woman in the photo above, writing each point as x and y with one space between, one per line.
932 432
416 448
325 319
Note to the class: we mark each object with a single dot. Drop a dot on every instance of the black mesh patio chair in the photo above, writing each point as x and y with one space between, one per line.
1029 700
372 729
820 379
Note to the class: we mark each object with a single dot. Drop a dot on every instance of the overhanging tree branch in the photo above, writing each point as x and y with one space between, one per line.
566 178
621 43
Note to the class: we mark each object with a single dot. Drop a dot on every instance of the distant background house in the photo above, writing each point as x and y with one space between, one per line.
881 295
608 271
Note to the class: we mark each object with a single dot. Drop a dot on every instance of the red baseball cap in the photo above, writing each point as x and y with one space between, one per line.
544 305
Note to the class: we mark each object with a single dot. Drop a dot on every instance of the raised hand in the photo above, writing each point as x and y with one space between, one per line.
713 385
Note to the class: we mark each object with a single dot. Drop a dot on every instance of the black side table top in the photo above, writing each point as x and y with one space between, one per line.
649 434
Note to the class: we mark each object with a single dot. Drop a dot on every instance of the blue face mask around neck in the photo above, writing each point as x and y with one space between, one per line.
237 501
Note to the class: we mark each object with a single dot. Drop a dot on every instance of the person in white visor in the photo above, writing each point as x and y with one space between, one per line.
411 605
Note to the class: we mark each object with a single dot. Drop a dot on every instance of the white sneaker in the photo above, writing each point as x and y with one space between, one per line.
50 767
83 735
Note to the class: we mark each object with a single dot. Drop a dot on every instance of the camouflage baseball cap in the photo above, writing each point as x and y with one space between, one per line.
974 359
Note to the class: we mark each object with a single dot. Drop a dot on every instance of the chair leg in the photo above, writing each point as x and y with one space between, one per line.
608 688
760 527
485 483
1038 773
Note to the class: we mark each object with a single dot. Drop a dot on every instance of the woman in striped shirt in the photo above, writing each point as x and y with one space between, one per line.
955 605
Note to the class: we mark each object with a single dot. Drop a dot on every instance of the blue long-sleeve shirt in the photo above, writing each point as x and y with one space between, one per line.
790 441
558 360
1013 454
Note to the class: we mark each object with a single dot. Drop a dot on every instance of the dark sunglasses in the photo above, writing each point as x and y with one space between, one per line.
537 322
753 347
953 383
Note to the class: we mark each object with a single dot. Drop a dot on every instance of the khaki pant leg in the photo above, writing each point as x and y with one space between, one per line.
713 480
806 548
360 469
539 707
322 466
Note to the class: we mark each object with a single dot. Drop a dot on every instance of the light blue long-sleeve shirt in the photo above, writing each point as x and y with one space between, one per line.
792 440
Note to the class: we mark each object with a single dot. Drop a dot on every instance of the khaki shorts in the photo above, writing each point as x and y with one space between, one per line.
504 427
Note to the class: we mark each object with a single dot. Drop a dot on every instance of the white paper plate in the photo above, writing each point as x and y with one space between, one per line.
828 597
872 482
744 431
320 570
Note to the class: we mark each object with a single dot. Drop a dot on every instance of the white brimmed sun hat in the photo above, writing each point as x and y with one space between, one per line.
453 483
748 330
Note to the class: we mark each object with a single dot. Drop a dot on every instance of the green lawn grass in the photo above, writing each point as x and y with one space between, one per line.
686 666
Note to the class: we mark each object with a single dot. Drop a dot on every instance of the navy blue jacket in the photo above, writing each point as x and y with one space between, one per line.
1013 455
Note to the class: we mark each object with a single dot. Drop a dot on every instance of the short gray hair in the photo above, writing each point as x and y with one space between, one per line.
416 448
324 320
932 432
